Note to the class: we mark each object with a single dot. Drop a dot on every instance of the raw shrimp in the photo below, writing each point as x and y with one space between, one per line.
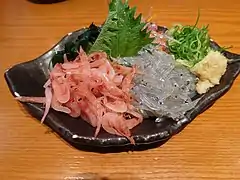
94 89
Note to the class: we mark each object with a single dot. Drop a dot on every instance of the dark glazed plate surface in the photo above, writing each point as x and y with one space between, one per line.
27 79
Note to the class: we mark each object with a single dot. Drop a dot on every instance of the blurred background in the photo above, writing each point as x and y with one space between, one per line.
21 18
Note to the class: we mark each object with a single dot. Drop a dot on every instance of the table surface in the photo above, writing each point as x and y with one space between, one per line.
209 148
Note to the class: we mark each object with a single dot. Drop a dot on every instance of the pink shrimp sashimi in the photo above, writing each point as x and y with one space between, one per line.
127 81
61 90
48 95
118 79
57 106
115 124
117 106
94 89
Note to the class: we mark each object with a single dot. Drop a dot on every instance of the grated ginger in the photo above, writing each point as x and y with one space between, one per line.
210 71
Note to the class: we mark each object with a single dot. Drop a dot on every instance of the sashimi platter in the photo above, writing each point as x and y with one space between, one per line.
128 84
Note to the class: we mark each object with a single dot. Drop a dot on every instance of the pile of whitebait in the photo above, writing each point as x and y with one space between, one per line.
163 87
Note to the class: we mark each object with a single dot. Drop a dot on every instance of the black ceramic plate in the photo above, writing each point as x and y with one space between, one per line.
27 79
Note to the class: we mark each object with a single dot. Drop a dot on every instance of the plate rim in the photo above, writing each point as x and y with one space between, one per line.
122 140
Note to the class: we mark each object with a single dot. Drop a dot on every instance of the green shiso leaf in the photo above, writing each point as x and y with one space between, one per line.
122 34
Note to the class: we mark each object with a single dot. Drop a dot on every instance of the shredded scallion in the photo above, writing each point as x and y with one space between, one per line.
190 44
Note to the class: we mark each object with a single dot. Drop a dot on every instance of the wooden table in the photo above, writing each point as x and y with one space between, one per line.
209 148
